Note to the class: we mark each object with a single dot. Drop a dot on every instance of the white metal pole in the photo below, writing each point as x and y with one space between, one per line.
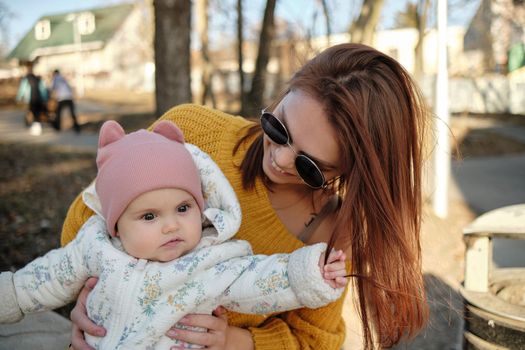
81 65
80 90
78 47
442 155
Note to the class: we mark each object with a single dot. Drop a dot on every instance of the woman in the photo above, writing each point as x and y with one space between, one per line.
338 159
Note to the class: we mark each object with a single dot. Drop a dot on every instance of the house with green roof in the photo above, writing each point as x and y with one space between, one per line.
496 36
105 47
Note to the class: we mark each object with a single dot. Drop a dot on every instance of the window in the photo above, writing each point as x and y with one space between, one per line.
86 23
42 30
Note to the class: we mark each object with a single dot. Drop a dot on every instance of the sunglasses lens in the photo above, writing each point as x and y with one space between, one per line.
274 129
309 172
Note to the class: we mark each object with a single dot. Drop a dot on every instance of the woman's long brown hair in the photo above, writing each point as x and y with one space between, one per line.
379 116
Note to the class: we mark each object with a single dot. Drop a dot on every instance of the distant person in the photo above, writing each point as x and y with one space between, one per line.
63 93
33 92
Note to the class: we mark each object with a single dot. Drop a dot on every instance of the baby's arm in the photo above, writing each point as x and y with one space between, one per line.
46 283
9 309
283 282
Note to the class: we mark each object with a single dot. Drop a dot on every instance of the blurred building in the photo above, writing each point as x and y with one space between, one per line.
495 38
100 48
112 48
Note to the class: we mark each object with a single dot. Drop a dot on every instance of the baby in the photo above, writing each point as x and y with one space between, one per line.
161 245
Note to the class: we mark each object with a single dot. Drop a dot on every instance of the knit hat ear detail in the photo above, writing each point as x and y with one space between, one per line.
110 132
169 130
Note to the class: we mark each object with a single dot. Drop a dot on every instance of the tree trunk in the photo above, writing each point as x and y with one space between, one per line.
206 82
362 30
240 57
327 21
254 101
172 53
421 22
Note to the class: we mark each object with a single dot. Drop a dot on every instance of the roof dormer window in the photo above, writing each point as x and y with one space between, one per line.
86 23
43 30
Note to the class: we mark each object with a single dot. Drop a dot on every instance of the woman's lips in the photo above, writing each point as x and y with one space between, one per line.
276 169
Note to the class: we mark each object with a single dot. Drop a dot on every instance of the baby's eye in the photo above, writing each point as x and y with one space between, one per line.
148 216
183 208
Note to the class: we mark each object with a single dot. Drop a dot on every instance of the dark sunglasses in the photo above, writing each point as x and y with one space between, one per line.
308 171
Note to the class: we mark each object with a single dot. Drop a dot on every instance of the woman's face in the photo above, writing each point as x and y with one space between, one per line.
310 134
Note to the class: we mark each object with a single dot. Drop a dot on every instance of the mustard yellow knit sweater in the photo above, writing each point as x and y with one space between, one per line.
216 133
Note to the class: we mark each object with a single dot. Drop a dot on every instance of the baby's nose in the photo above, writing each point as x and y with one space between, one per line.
170 225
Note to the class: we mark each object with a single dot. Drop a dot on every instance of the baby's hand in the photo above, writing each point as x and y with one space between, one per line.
335 269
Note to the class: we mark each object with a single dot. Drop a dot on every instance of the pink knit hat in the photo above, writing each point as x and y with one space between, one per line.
142 161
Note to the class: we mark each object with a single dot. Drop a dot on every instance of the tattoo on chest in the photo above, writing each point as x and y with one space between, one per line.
312 218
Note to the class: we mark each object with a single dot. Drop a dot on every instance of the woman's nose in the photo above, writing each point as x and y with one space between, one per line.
284 157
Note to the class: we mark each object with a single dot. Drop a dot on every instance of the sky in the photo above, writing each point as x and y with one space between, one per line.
25 13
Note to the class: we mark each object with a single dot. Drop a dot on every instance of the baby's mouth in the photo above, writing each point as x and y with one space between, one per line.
172 242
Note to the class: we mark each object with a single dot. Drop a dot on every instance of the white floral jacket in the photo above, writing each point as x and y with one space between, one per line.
137 300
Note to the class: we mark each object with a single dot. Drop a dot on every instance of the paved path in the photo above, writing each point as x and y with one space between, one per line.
490 183
41 331
12 128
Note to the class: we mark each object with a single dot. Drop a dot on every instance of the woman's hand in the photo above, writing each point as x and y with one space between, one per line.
334 271
220 335
81 321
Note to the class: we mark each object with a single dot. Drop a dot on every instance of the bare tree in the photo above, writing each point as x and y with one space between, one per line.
207 69
310 33
5 16
415 15
240 56
421 15
172 53
254 100
326 13
406 18
362 30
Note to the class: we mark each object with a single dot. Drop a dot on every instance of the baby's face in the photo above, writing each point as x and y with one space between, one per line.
160 225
